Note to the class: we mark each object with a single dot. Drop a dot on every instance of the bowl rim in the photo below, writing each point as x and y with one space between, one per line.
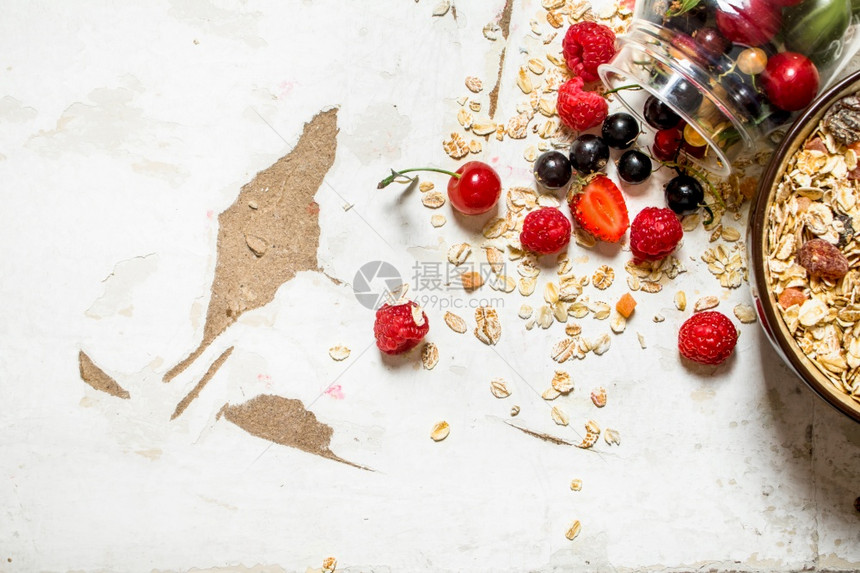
774 325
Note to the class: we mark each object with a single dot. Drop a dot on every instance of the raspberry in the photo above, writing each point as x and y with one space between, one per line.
655 233
707 337
580 110
545 231
586 45
396 329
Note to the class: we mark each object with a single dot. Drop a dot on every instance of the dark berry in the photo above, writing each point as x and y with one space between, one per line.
589 154
689 21
667 142
620 130
711 43
553 170
742 95
685 95
659 115
684 194
634 166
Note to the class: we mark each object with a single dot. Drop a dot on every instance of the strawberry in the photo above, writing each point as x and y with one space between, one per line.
599 208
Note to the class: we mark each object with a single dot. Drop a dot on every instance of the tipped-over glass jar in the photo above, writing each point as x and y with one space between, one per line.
734 70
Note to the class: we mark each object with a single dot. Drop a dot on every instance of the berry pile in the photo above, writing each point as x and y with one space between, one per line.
596 204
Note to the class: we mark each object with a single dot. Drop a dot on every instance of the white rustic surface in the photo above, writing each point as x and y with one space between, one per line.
126 128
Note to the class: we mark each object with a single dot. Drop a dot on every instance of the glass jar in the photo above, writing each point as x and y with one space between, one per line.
734 70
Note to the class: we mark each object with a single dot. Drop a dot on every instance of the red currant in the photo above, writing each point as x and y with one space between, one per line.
473 189
790 81
666 144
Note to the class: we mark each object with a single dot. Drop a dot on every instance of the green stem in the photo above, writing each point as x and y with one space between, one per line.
395 174
634 87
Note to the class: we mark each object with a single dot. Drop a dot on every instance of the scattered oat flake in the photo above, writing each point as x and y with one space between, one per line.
442 8
573 530
455 323
474 84
456 147
499 388
576 484
706 303
458 253
603 277
426 186
429 356
440 431
598 396
339 352
559 416
433 200
488 329
680 300
745 313
550 394
494 228
525 311
475 146
562 382
438 220
329 565
515 410
641 339
612 437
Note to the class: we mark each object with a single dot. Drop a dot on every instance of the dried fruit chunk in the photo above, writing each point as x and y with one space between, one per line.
625 305
440 431
822 259
790 297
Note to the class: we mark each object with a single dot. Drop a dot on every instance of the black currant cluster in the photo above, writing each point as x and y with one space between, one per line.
590 153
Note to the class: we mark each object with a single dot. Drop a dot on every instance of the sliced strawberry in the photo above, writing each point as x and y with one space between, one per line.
600 209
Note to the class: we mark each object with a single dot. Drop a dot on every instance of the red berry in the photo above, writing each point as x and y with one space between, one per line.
586 45
753 22
707 337
396 329
545 231
580 110
599 208
655 233
667 142
790 81
477 189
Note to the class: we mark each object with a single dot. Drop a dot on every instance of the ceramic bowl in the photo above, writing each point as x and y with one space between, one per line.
765 301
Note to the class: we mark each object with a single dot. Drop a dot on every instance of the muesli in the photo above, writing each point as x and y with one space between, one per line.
813 253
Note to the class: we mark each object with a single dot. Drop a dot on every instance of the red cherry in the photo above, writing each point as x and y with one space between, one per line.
473 189
476 190
790 81
750 22
666 144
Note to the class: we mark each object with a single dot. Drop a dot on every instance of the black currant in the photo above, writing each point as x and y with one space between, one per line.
711 43
553 170
684 194
589 154
685 95
742 95
620 130
659 115
634 166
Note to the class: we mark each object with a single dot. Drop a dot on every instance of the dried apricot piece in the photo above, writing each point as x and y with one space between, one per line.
625 305
790 297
